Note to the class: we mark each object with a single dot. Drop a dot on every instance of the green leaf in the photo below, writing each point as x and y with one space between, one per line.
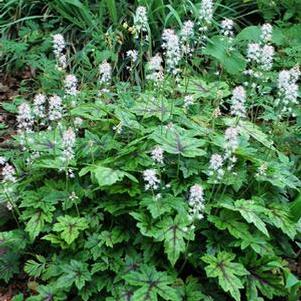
70 227
151 284
37 222
226 271
160 205
265 276
76 272
220 49
34 268
250 34
106 176
228 221
174 232
89 111
250 211
279 216
178 141
208 90
295 208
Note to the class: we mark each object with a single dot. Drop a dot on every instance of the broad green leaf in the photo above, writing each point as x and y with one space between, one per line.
227 272
37 222
279 216
208 90
89 111
178 141
220 49
106 176
266 277
295 208
250 211
250 34
160 205
70 227
151 284
76 272
174 233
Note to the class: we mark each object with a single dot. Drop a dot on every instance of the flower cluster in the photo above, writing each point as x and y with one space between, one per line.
25 118
227 27
155 69
59 46
261 171
157 154
231 139
105 71
196 203
55 108
132 55
68 143
140 20
206 11
39 105
188 101
238 102
216 166
151 179
262 56
171 45
186 37
266 33
8 173
288 89
70 84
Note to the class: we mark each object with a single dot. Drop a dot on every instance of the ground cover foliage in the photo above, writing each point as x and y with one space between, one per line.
155 150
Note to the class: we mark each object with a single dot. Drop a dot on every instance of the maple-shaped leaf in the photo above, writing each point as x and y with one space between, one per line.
251 211
179 141
227 272
151 284
174 233
76 272
70 227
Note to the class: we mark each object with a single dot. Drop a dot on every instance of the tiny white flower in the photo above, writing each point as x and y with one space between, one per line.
8 173
25 118
206 11
70 84
151 179
105 71
227 27
68 143
188 101
173 54
157 154
266 32
140 20
55 108
196 202
39 105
